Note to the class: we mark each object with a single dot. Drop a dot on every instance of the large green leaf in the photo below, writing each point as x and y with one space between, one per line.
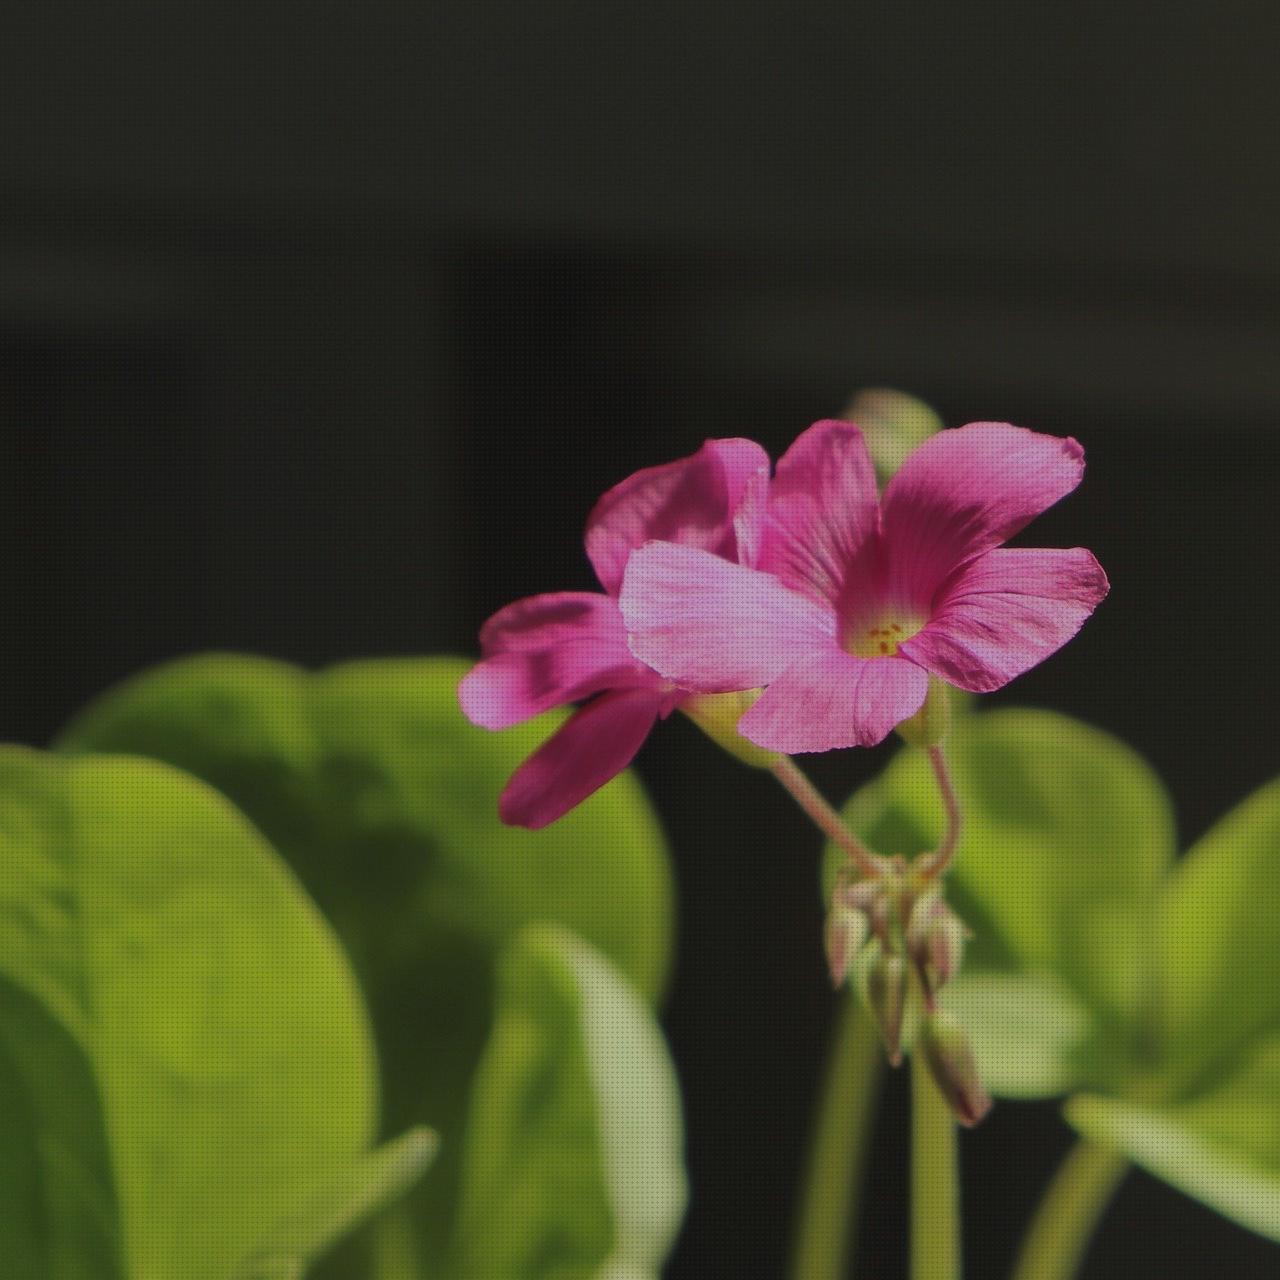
574 1154
384 798
1222 1147
1067 835
1219 941
211 1003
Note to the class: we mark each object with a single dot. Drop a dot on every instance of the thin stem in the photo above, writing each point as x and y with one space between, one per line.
837 1156
827 819
940 860
935 1181
395 1256
1059 1235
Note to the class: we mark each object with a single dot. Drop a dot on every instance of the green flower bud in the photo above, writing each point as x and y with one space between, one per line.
930 725
935 939
717 715
848 928
882 983
949 1057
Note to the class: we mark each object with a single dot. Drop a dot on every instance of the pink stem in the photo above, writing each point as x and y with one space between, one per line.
826 818
940 860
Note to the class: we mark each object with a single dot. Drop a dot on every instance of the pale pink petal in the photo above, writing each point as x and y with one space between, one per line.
691 501
834 700
595 744
545 651
965 491
1006 611
822 512
714 626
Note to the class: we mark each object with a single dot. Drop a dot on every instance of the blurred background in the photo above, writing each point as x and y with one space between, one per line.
322 327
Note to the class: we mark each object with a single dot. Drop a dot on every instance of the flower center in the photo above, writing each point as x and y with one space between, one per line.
880 635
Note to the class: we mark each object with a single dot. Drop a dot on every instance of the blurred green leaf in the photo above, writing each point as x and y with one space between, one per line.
384 798
574 1163
893 424
59 1219
1221 1148
1220 937
214 1008
376 1180
1067 835
1029 1032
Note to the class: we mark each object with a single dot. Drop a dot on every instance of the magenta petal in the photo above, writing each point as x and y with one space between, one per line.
965 491
714 626
833 700
691 501
545 651
822 511
1005 612
595 744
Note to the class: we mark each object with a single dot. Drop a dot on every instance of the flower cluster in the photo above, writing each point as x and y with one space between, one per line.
823 606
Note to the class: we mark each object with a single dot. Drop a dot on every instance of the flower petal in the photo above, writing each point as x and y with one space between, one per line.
965 491
714 626
1006 611
835 700
594 745
822 511
692 501
545 651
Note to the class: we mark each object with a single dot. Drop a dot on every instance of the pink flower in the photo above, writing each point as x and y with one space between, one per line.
854 601
550 650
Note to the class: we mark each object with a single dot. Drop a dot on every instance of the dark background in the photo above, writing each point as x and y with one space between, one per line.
322 326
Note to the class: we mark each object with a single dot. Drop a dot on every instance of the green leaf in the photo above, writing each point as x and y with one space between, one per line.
59 1220
375 1181
384 799
1067 835
214 1007
573 1166
1221 1148
1220 936
1030 1034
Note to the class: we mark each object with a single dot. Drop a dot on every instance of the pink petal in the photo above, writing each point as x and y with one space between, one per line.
714 626
834 700
1005 612
691 501
595 744
965 491
822 512
545 651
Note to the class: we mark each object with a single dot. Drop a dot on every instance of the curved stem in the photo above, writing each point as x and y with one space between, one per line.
1067 1217
827 819
828 1208
935 1181
939 861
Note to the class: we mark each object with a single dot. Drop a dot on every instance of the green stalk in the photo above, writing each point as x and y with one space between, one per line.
828 1209
1055 1243
394 1251
935 1181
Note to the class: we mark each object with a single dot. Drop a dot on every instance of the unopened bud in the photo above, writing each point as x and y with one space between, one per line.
882 983
935 939
717 715
950 1059
929 726
848 927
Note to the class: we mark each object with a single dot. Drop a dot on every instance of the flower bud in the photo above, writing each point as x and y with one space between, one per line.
950 1059
935 939
882 983
848 928
929 726
717 715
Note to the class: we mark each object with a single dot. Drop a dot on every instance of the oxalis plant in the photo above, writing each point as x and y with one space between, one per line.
309 973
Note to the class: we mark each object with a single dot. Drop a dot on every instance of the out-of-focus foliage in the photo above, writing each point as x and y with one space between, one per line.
573 1163
186 1058
384 800
1101 967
